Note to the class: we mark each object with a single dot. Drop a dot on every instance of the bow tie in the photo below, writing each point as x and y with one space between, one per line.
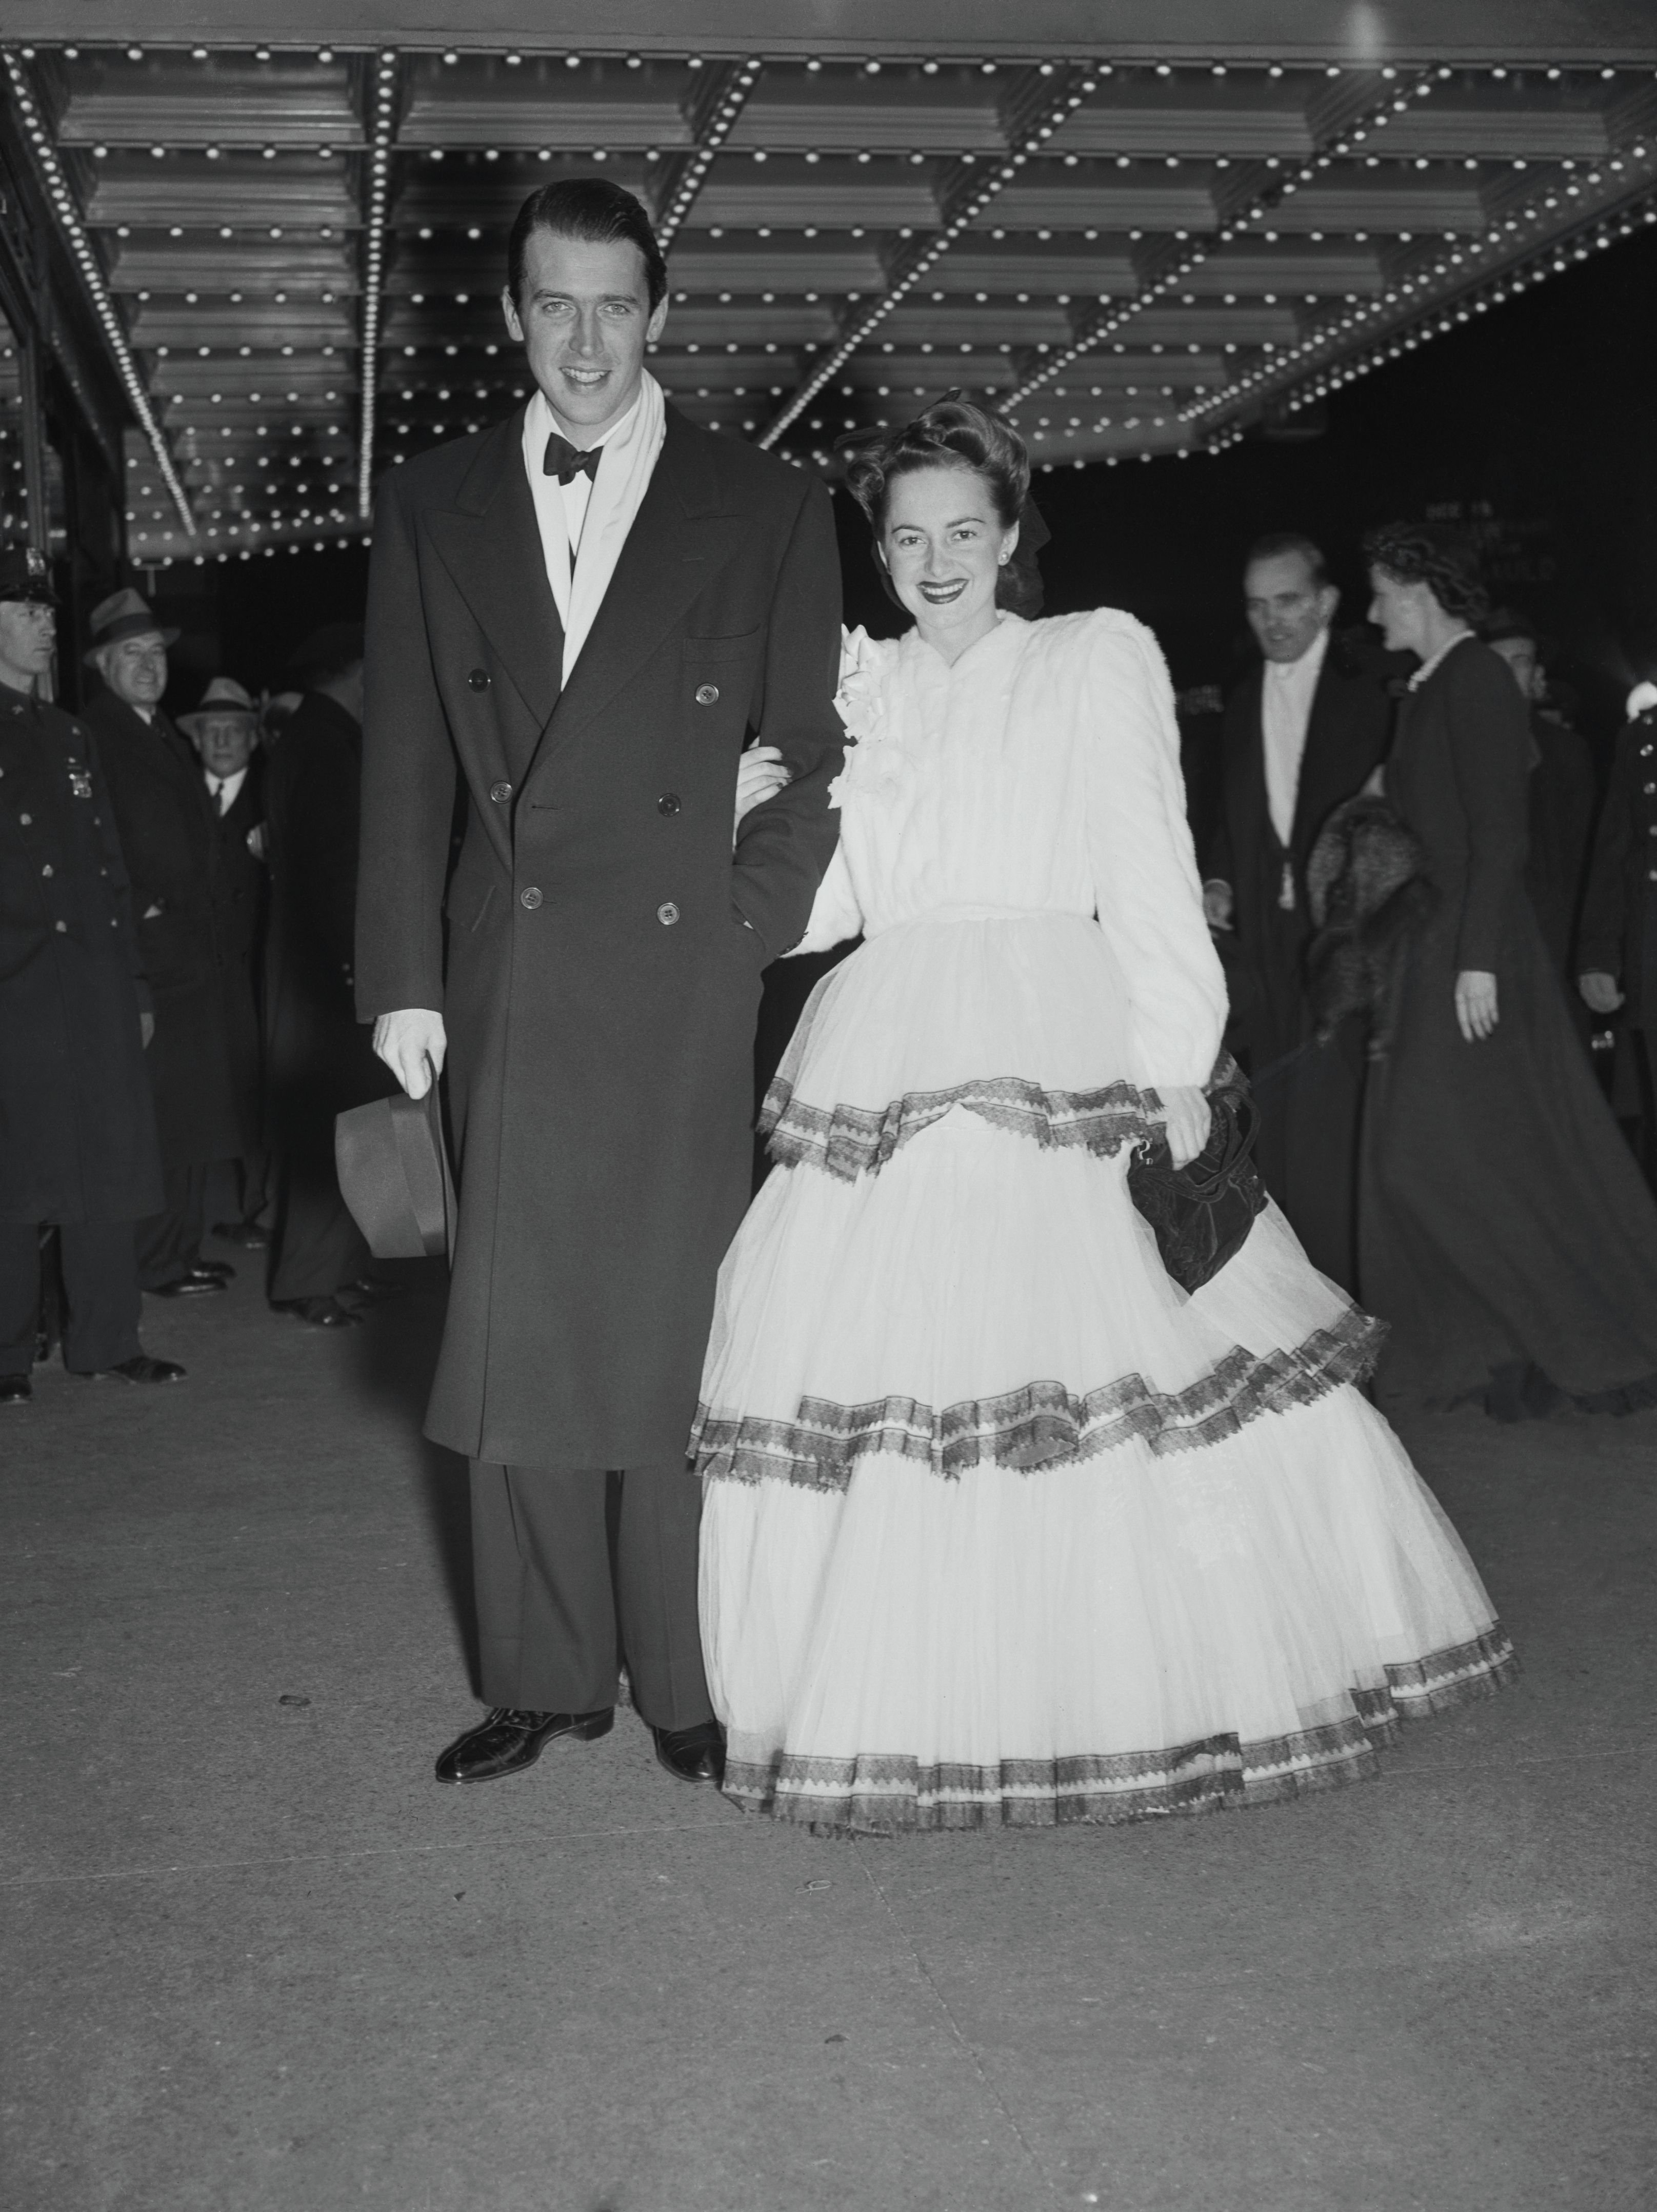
564 461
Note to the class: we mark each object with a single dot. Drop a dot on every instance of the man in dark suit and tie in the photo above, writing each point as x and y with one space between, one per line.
225 731
165 827
1301 734
580 618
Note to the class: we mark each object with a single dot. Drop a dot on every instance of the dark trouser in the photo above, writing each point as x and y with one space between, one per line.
101 1285
577 1570
170 1242
318 1248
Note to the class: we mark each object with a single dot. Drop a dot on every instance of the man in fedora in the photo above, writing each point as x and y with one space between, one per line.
74 1016
321 1058
166 828
224 729
578 619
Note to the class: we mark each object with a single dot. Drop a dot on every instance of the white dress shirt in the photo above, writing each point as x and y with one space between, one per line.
223 789
1286 696
584 524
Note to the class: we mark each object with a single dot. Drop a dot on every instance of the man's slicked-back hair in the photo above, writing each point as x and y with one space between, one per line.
1277 543
594 210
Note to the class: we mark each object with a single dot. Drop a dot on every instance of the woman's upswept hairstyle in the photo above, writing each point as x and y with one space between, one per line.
592 209
1428 553
953 434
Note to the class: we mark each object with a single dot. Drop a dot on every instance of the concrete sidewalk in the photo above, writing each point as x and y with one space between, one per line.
259 1961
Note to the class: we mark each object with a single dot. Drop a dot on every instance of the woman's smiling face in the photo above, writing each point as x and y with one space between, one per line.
943 544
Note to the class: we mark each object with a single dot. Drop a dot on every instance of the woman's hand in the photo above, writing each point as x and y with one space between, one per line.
1475 1003
1186 1117
1599 991
761 774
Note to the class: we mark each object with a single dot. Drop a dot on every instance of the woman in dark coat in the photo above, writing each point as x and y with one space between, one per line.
1505 1232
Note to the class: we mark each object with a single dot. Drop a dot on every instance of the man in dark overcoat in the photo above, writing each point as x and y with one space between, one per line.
224 729
166 828
1617 937
321 1058
77 1127
592 965
1301 734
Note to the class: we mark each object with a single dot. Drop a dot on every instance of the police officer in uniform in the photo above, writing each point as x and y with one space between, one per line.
77 1125
1617 937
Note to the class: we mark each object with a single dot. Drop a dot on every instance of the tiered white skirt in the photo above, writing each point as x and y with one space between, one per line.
1000 1525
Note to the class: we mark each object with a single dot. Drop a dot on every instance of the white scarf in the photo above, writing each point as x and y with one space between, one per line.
630 454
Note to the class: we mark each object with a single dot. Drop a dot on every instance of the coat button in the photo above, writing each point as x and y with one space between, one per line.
667 914
708 694
499 792
530 898
479 679
1647 788
62 927
46 870
667 803
26 819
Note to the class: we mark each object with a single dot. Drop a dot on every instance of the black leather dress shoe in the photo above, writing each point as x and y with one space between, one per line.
318 1313
15 1389
369 1289
247 1234
221 1268
693 1754
194 1285
141 1368
507 1740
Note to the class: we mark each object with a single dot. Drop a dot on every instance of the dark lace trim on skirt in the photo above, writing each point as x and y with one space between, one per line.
851 1140
882 1793
1039 1424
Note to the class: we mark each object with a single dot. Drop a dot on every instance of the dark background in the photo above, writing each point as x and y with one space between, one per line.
1535 425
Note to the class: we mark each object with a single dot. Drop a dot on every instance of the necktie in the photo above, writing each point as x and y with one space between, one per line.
564 461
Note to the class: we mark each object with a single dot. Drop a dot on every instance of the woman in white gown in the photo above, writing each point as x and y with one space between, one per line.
1001 1524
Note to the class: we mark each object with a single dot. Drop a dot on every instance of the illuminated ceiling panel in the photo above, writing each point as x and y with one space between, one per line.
1135 251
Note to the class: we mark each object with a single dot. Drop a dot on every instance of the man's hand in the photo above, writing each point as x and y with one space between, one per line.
1599 991
1186 1118
761 774
146 1030
412 1044
1475 1003
1218 904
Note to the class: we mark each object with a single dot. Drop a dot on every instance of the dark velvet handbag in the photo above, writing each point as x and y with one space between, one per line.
1201 1213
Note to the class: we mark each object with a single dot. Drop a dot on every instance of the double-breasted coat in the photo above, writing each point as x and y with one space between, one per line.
164 818
603 947
77 1127
1617 934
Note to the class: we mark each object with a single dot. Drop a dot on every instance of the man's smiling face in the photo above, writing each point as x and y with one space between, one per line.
584 318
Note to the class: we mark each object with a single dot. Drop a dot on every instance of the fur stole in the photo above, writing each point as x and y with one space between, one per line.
1367 886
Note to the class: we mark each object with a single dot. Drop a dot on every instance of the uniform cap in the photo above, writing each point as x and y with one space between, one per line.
25 576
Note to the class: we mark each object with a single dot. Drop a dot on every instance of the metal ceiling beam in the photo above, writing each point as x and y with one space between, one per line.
1350 119
55 188
382 137
721 103
1044 99
1351 31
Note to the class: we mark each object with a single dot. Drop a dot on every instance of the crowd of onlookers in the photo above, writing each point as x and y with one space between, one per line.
177 899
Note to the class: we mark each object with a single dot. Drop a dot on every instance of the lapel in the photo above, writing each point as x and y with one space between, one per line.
1255 812
490 544
681 534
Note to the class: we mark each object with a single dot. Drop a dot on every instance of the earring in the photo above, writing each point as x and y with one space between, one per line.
1006 557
